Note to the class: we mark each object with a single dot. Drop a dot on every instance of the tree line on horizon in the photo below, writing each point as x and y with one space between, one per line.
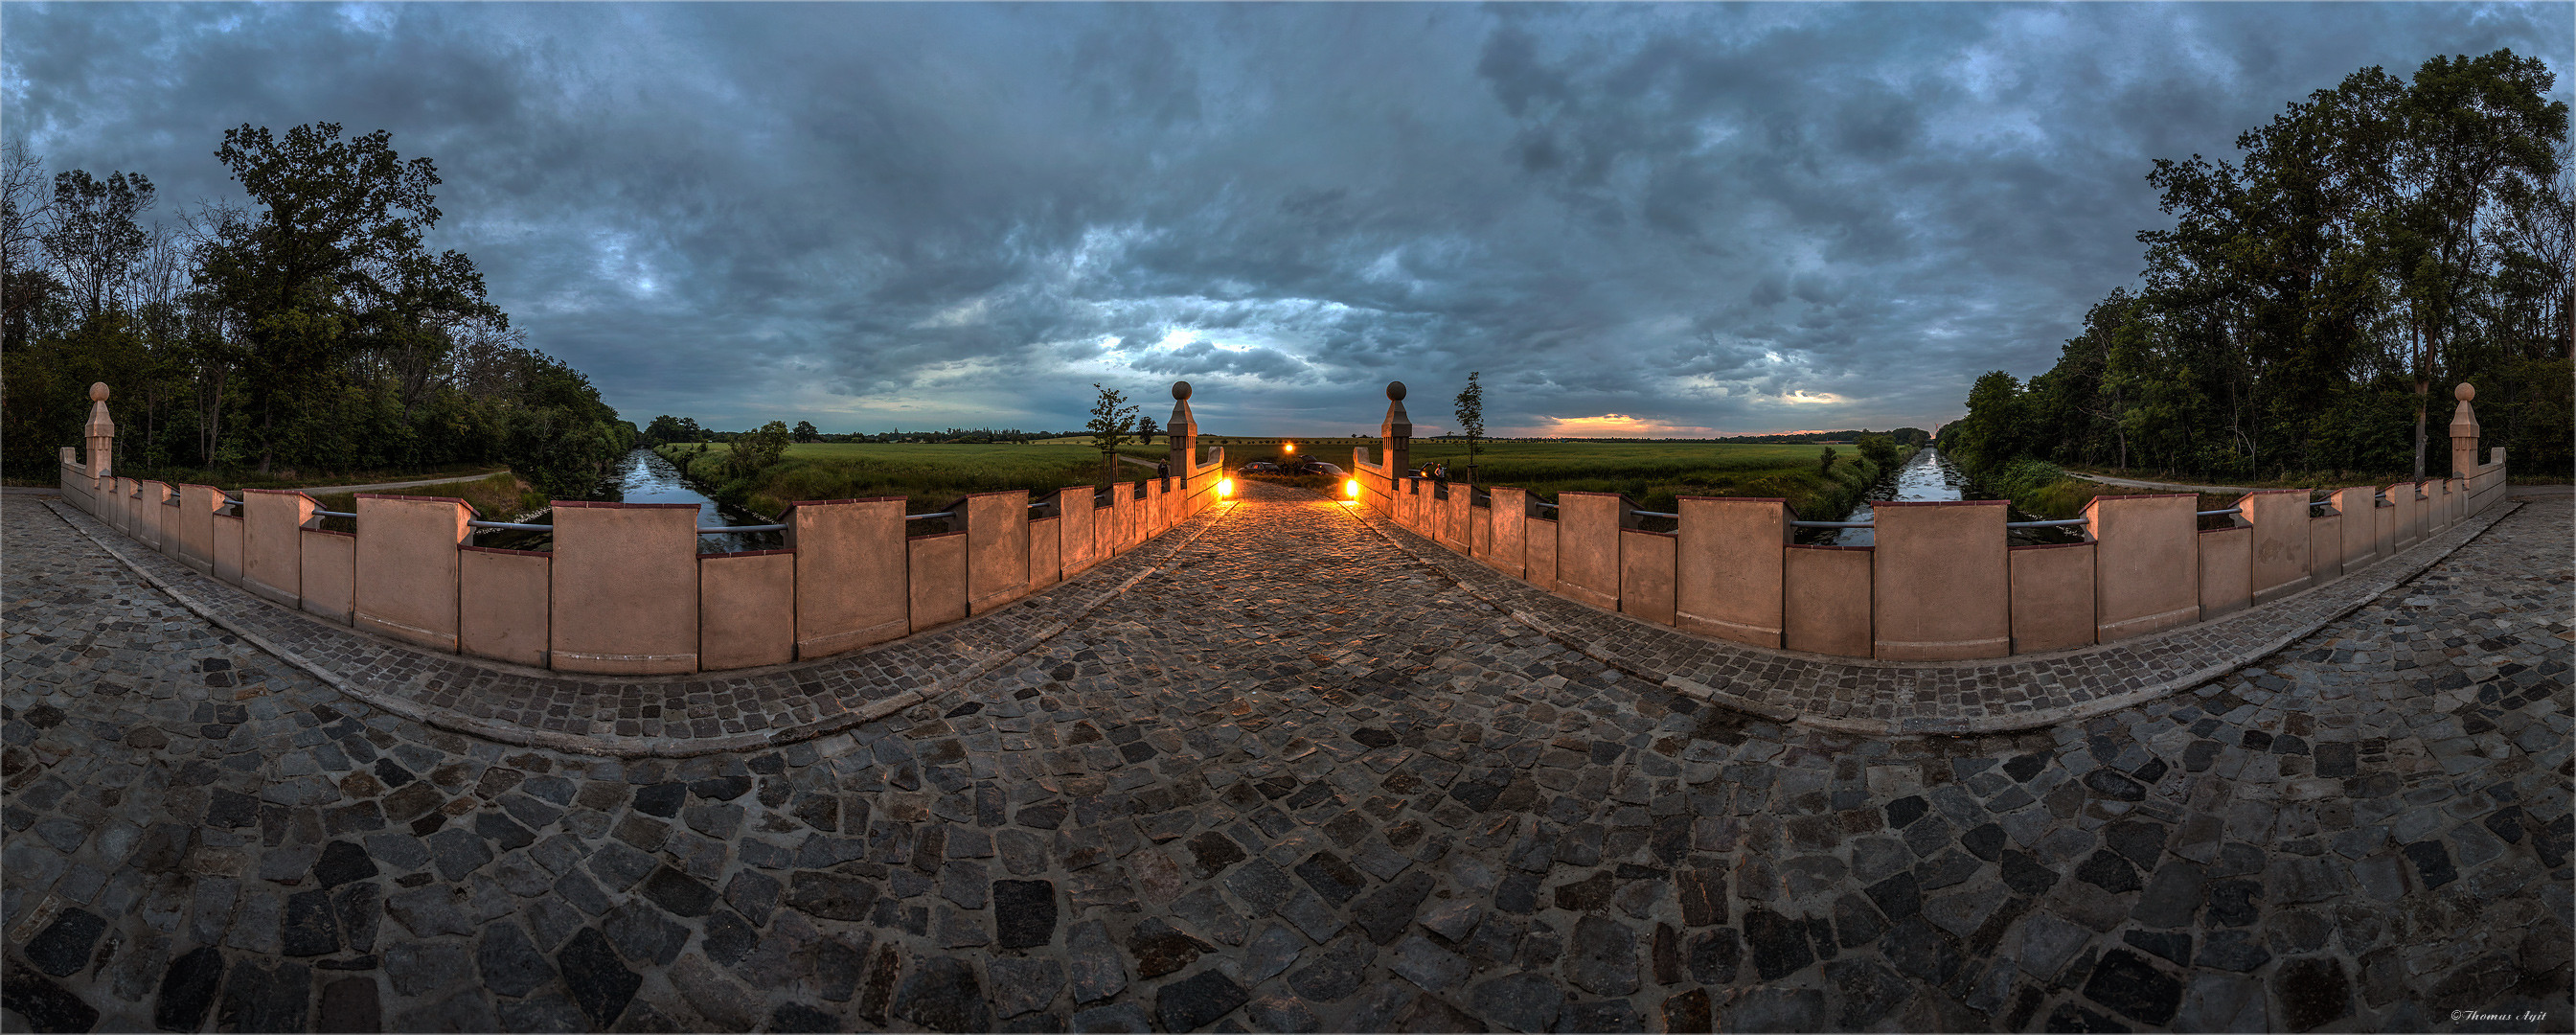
668 430
311 331
2315 300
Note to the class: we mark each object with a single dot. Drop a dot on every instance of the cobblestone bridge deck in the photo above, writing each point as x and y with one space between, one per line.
1274 774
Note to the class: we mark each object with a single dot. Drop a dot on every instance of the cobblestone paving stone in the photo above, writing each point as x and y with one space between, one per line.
1296 781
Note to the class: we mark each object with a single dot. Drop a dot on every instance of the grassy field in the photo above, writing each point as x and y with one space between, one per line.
1653 473
930 475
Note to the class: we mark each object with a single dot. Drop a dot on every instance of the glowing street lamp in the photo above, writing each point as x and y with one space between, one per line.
1289 447
1224 487
1351 488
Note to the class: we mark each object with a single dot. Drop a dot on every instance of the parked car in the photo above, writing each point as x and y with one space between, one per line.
1261 467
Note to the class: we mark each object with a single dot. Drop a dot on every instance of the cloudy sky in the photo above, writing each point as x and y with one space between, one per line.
1677 219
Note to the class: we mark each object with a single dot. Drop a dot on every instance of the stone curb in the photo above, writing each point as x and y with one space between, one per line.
2379 578
648 747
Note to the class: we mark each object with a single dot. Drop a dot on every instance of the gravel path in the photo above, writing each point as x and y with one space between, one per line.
1295 781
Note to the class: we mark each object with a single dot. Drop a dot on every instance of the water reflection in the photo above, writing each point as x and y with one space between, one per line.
642 476
1929 476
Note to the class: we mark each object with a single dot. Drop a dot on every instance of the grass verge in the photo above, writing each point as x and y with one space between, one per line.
499 497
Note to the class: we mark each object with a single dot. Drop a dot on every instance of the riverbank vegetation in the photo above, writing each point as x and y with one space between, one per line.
2044 490
2306 314
312 338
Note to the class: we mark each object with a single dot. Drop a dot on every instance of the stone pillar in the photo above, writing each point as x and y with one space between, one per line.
101 431
2278 564
1941 577
1395 435
624 593
1183 434
997 548
2464 431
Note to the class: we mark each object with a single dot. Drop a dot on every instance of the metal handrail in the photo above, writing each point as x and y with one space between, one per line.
333 513
2215 513
926 517
511 525
1655 513
2043 524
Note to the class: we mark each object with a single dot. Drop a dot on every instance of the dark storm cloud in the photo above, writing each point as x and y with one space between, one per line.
1735 218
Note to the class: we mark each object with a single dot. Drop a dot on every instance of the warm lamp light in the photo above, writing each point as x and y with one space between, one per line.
1289 446
1224 487
1351 487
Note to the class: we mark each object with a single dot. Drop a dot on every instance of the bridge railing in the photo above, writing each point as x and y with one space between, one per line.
1942 581
624 589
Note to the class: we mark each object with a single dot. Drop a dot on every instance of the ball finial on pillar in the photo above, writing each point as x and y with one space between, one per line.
1395 390
2464 392
1180 389
98 391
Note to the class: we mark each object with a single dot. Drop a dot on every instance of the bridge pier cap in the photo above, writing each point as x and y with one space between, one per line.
100 431
1395 434
1181 433
2464 432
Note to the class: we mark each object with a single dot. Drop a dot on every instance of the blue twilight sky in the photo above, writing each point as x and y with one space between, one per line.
1669 218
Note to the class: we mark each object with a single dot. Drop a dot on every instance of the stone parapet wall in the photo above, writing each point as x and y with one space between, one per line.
1941 583
625 591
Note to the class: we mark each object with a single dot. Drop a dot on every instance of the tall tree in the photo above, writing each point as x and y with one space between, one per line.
94 234
1470 410
2370 242
1112 420
2476 131
24 282
332 257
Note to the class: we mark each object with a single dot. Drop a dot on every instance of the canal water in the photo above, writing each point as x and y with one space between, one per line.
642 476
1930 476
